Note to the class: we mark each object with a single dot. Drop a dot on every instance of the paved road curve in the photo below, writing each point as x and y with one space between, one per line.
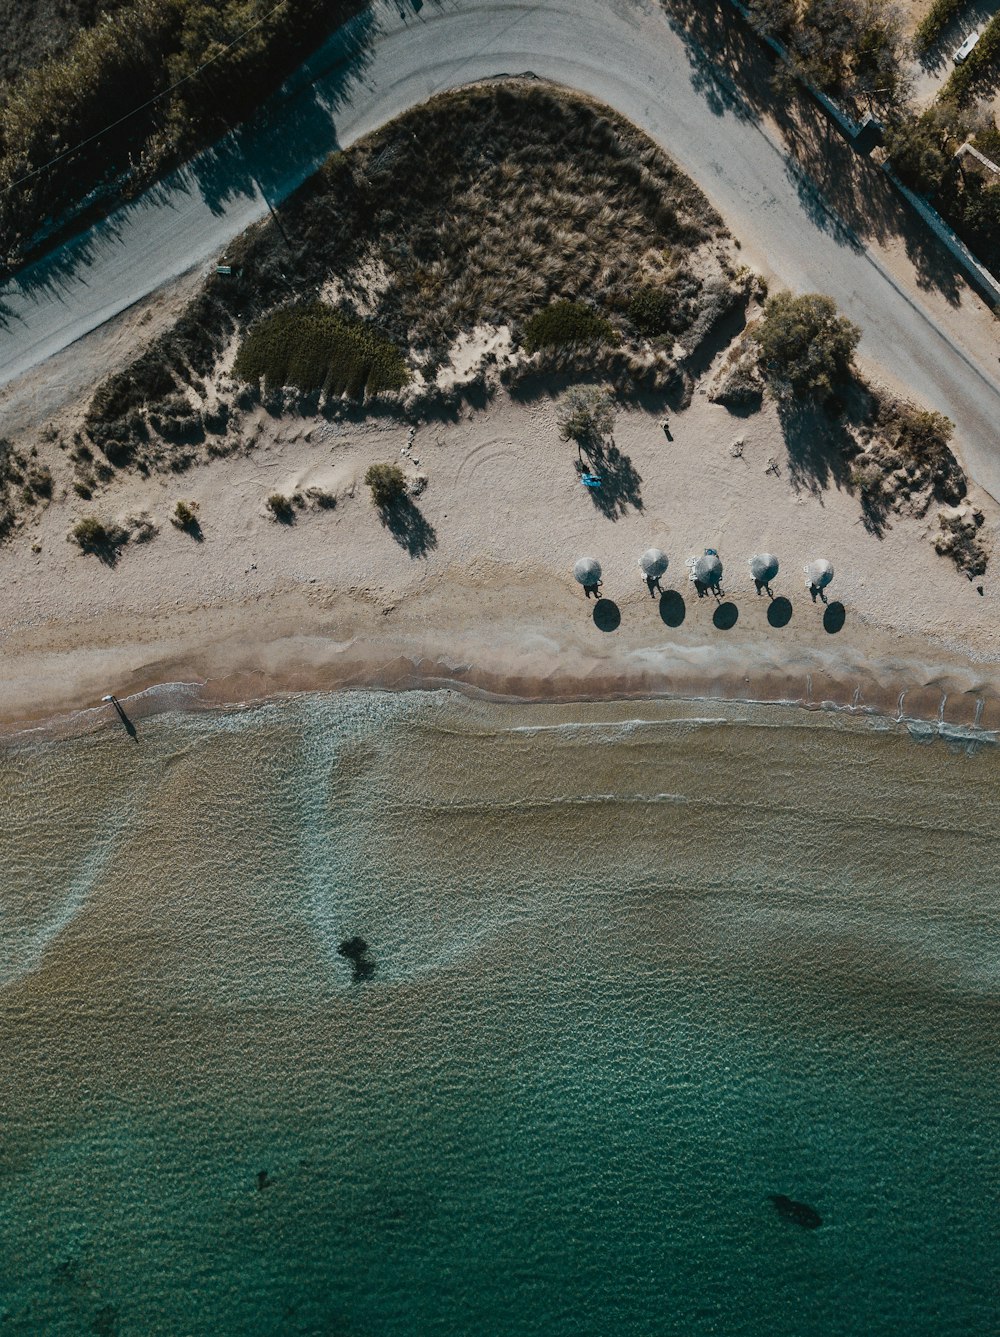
621 51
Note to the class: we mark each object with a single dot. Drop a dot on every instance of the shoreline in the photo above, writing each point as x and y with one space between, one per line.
950 700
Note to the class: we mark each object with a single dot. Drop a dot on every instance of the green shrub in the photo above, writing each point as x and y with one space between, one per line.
564 323
921 148
934 23
316 348
90 532
185 516
387 483
805 347
868 478
586 415
922 432
281 508
651 310
98 536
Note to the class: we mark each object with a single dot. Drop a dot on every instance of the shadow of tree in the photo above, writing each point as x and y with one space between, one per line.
193 530
843 192
819 445
621 483
729 64
874 513
409 527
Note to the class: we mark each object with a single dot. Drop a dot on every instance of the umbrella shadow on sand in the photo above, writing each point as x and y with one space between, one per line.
834 617
673 609
607 615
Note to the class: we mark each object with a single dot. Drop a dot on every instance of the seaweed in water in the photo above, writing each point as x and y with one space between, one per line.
799 1212
356 951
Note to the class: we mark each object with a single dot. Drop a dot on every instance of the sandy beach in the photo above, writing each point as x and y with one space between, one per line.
487 599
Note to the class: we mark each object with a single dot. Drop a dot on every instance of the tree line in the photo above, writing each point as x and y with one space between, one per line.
856 51
167 75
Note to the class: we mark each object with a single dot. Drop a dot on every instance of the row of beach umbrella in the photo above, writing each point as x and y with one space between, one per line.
707 569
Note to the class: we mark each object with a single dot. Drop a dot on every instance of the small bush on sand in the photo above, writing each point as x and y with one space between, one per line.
99 536
90 532
806 348
185 516
565 323
321 498
387 483
868 478
923 434
961 540
586 415
317 349
281 508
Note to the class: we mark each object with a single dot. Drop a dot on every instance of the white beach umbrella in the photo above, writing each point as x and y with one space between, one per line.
764 567
653 563
707 570
587 571
819 573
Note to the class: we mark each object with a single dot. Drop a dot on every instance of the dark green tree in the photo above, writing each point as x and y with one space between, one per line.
921 148
387 483
805 347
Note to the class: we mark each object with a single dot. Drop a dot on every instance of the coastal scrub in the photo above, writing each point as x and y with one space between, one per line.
564 323
314 347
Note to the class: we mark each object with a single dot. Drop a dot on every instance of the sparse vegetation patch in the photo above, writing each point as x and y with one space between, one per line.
489 205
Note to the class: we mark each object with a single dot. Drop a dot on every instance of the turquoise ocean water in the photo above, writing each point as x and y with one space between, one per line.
635 968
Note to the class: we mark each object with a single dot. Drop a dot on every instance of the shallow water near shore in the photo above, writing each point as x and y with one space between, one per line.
634 969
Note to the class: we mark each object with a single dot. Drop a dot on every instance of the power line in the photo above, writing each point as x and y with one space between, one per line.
143 105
